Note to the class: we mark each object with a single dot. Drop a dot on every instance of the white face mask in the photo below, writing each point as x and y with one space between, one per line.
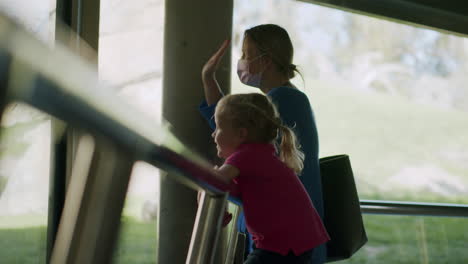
244 74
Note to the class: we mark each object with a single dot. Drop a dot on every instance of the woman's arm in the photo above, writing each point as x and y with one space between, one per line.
210 84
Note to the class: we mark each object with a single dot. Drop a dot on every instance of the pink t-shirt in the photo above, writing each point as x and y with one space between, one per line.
278 211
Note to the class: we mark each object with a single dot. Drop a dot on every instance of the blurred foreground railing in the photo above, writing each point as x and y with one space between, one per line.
114 136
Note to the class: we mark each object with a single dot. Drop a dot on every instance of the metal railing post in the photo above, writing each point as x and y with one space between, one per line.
206 229
232 244
94 201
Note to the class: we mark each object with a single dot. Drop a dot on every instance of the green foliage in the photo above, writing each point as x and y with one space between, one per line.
12 142
3 182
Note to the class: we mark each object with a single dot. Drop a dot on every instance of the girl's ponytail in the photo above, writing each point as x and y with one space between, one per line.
289 150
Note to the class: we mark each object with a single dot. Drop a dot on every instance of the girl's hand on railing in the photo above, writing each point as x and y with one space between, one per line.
227 218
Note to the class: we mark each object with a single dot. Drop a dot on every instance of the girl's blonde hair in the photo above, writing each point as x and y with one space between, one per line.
256 113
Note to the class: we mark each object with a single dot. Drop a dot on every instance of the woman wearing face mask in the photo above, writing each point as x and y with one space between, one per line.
267 64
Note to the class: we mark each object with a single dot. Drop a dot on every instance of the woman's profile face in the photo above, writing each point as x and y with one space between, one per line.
249 49
251 53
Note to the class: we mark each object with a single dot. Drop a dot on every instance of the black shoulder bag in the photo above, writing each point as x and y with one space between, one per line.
342 210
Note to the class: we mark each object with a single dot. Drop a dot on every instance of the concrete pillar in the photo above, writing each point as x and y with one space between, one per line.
193 31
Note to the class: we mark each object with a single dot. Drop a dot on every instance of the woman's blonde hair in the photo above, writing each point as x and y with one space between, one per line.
274 41
258 115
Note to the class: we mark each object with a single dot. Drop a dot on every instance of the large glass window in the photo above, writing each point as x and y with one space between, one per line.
392 96
25 155
130 59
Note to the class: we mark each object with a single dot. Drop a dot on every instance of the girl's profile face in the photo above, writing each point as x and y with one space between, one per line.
226 137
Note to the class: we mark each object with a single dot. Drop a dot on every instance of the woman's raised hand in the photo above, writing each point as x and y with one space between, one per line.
212 65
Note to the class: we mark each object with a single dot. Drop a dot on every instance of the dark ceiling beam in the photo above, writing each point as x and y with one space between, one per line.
449 16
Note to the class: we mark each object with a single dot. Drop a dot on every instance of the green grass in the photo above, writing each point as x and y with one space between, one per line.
383 134
23 245
137 242
404 239
392 239
27 245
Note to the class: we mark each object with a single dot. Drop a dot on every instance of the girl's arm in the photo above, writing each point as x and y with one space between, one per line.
228 173
210 84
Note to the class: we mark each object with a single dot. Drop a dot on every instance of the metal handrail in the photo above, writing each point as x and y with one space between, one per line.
62 85
413 208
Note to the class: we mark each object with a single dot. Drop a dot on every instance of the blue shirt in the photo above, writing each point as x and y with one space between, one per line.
296 112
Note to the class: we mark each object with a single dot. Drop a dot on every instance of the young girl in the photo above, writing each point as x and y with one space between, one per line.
278 211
